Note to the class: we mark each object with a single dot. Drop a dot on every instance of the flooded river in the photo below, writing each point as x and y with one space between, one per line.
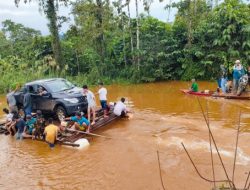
163 118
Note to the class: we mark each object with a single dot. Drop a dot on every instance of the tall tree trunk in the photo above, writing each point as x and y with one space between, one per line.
190 37
137 35
100 38
169 10
53 27
130 32
195 7
123 40
216 3
189 24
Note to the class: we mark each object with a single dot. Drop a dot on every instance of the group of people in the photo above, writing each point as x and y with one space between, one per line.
36 127
225 85
120 108
33 126
92 101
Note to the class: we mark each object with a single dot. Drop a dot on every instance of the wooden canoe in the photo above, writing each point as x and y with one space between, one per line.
201 93
231 96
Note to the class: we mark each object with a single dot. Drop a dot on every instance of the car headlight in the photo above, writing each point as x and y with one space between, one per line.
71 100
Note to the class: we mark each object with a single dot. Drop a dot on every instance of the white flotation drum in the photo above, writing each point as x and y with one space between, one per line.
83 143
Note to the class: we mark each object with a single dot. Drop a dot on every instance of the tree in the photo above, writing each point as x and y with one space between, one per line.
5 46
19 37
137 35
130 30
191 13
231 24
50 8
121 16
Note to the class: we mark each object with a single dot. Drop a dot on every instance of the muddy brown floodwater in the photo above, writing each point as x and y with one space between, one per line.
163 118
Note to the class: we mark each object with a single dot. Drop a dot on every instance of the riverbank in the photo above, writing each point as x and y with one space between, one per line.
12 81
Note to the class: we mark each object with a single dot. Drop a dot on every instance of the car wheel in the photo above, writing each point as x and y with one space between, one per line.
60 113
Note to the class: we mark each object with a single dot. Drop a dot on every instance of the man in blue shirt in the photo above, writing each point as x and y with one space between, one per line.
238 72
80 122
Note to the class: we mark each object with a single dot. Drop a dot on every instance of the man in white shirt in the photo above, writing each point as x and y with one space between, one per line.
103 98
120 108
91 102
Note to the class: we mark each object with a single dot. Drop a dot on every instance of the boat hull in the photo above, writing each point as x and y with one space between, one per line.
231 96
196 93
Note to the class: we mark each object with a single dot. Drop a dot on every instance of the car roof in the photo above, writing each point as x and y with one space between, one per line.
42 81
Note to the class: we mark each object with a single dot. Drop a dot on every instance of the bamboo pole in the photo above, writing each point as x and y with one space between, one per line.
159 164
211 149
246 180
216 147
236 146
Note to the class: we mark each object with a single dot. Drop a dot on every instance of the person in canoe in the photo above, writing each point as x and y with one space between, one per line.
194 86
248 74
238 72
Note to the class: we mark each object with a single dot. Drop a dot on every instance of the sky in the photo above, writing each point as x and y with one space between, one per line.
29 15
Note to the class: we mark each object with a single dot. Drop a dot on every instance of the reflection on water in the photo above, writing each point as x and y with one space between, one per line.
164 117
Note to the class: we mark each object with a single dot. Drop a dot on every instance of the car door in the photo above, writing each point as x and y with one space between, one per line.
34 96
19 94
44 102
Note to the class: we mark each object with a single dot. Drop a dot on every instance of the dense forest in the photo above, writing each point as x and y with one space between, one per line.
105 43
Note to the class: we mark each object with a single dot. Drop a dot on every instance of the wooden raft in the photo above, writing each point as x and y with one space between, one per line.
100 122
69 137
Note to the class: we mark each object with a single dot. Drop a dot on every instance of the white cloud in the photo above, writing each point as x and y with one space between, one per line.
29 15
6 12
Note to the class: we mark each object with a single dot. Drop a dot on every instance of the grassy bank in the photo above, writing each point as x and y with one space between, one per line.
11 81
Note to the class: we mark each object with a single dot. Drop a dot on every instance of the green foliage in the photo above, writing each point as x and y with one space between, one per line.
101 45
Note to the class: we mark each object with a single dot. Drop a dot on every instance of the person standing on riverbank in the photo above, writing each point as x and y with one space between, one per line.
91 102
50 133
11 100
238 72
27 104
103 98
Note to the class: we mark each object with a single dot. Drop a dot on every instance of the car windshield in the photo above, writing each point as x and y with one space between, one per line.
59 85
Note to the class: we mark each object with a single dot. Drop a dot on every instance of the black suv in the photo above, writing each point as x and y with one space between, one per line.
62 98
